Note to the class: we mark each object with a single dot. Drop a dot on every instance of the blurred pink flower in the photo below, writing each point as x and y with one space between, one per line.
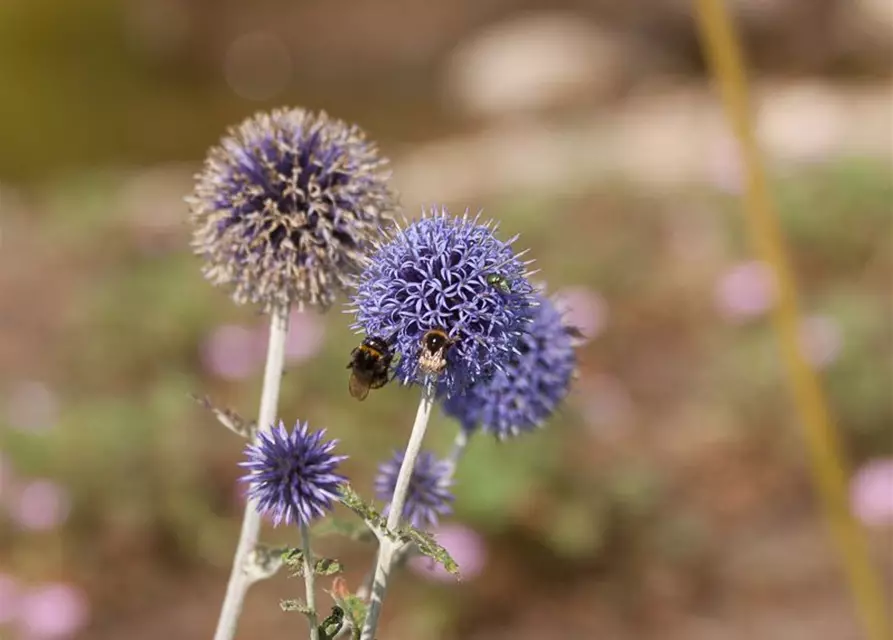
746 291
53 611
584 309
607 406
821 340
871 492
40 505
31 406
233 352
465 546
305 336
9 598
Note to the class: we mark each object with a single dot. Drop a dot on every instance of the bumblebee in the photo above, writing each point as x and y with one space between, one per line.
499 282
370 366
435 344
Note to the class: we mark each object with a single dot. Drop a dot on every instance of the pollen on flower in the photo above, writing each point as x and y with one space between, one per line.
433 280
287 206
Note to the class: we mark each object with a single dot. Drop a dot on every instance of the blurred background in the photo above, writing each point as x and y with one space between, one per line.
670 498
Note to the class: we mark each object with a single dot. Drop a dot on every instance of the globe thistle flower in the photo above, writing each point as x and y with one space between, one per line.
451 299
292 475
429 495
526 392
287 205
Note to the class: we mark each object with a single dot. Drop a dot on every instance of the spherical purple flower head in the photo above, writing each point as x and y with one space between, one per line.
429 495
435 274
287 205
527 391
292 475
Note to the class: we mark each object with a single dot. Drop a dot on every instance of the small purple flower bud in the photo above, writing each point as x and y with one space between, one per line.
429 495
293 475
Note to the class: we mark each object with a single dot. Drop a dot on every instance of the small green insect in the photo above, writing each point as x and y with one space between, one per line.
499 282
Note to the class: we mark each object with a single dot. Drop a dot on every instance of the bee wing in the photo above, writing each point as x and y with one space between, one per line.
358 388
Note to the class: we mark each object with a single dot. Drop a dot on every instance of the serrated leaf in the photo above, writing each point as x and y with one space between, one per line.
295 605
228 417
357 531
425 543
327 567
294 560
370 515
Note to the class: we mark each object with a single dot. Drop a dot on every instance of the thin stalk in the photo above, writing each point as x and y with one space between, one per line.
239 580
826 456
459 444
387 546
308 583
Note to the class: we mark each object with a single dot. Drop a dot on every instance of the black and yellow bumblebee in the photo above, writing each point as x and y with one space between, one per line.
435 343
370 366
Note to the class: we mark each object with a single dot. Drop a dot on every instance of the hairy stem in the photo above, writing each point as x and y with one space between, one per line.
308 583
388 547
239 580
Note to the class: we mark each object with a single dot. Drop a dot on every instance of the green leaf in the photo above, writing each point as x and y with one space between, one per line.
294 560
330 627
356 531
295 605
366 511
426 545
327 567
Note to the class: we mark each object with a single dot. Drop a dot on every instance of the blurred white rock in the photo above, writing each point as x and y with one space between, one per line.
878 13
532 62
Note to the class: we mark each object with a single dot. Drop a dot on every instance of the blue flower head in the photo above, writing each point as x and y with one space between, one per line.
292 475
286 207
527 391
429 495
451 275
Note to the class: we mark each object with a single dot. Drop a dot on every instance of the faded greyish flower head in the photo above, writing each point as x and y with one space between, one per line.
41 505
527 391
293 475
746 291
287 206
433 274
871 492
429 495
53 612
464 545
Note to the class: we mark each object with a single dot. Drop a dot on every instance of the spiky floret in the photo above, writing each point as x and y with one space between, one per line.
287 205
429 495
293 475
528 389
433 274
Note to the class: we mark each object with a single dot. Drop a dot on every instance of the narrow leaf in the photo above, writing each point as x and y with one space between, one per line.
425 543
227 417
